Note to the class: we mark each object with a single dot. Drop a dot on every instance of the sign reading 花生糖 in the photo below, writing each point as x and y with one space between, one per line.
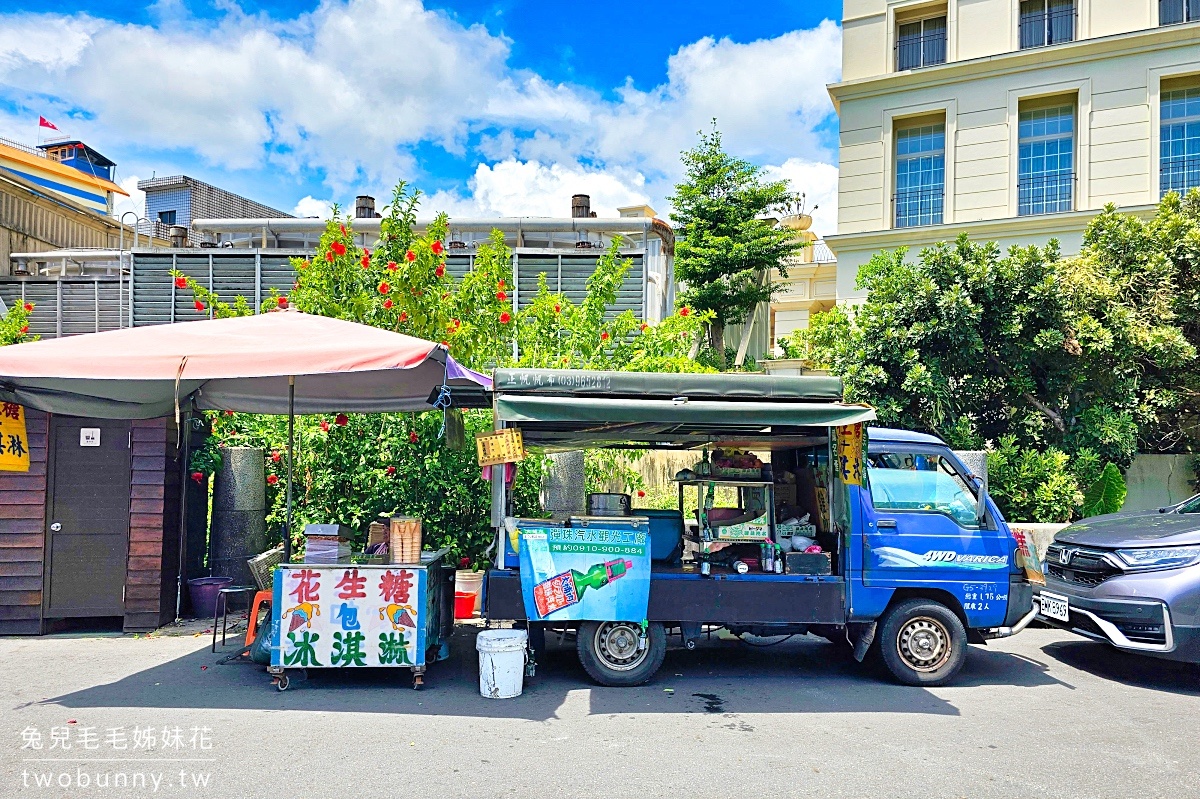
14 441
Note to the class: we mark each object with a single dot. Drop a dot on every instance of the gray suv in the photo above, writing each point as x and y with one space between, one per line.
1131 579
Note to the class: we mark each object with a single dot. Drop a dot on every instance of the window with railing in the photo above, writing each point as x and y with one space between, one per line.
1174 12
1046 22
1046 160
1179 141
921 43
920 175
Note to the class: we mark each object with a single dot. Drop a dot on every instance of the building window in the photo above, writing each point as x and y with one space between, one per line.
1045 22
920 175
1046 156
1179 143
921 43
166 217
1173 12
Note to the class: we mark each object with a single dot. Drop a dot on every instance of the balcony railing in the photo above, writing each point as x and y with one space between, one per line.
1045 28
1046 194
1179 175
914 52
920 206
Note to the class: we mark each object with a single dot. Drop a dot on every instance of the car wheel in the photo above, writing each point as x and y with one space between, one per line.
612 653
922 642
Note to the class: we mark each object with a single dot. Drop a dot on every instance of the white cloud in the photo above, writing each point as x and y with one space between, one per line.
136 201
819 183
351 88
528 188
311 206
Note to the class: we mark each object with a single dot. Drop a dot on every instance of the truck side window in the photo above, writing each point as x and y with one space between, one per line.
920 481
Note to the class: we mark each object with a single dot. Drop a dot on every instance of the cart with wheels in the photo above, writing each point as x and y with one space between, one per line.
361 615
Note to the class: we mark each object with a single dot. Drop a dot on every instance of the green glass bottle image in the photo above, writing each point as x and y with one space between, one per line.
566 589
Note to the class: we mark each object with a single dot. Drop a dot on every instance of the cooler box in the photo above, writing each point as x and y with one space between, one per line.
512 558
666 532
638 524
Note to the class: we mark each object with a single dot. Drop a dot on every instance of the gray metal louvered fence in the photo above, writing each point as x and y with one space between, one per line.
66 306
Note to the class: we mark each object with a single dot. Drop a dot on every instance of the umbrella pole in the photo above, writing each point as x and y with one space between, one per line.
291 445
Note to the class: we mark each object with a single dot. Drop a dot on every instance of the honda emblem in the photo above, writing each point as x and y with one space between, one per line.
1065 555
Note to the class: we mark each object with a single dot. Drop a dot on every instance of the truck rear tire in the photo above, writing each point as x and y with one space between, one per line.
922 642
610 653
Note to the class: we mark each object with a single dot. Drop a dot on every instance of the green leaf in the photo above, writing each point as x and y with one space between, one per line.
1107 494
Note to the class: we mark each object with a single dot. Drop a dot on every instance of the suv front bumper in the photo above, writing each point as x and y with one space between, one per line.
1135 624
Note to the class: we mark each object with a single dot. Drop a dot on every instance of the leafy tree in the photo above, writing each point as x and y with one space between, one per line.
724 248
975 345
14 325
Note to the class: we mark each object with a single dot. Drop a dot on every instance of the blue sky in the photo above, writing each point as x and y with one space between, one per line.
492 107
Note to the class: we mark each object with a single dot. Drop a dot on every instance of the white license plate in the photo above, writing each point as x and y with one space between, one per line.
1055 607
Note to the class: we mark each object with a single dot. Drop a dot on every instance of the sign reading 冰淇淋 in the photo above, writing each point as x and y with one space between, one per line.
597 572
14 440
347 616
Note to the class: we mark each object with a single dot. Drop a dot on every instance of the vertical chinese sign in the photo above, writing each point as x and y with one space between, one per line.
850 453
14 442
349 616
598 572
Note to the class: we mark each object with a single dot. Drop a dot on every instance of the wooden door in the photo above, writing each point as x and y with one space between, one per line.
87 517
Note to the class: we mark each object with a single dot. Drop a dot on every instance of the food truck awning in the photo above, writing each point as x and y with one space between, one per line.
237 364
570 409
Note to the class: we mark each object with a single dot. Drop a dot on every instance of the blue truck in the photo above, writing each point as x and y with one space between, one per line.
896 549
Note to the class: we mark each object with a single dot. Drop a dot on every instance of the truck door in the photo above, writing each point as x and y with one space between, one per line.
921 530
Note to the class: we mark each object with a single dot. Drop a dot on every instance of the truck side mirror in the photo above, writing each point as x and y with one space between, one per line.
981 501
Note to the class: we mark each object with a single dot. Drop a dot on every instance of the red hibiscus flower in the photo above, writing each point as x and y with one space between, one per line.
645 327
229 413
445 344
558 309
366 261
324 426
684 311
283 302
404 316
25 329
338 247
410 256
329 257
437 248
413 437
500 295
341 420
392 266
604 336
29 305
180 283
199 305
641 494
198 477
272 479
390 470
343 227
276 457
501 283
440 271
387 303
505 318
384 288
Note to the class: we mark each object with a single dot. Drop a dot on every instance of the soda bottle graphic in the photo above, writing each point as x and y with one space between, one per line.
566 589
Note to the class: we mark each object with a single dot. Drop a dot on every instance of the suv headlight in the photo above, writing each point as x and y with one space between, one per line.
1163 558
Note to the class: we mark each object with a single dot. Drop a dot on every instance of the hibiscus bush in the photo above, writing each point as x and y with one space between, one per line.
349 468
14 325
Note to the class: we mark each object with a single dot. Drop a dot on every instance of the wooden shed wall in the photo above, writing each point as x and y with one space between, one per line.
153 567
23 535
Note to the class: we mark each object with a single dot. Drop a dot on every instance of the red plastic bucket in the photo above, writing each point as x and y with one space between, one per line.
464 605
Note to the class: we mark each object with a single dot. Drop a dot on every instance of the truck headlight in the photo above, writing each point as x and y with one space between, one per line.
1162 558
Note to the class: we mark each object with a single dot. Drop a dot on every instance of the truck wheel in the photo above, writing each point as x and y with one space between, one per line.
610 654
922 642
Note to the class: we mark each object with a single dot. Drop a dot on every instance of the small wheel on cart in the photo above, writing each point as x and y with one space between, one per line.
922 642
282 682
418 681
615 653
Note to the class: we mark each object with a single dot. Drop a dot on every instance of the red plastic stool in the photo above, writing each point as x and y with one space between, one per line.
261 598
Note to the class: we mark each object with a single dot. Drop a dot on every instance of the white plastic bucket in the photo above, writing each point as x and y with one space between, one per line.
469 582
501 663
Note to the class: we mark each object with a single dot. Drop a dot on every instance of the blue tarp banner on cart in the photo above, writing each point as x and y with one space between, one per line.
599 572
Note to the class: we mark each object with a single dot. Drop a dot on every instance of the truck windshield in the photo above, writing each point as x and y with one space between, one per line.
920 482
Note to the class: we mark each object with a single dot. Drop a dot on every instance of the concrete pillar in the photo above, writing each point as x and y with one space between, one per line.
239 523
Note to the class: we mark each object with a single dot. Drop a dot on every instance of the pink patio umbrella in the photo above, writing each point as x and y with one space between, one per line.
279 362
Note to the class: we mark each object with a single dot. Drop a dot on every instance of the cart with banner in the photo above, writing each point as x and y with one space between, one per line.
361 615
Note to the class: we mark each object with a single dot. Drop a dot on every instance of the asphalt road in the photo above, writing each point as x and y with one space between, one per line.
1039 715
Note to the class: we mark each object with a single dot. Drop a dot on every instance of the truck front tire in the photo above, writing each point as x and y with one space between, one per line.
922 642
612 654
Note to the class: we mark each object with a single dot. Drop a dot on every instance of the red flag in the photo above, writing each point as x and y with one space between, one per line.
45 123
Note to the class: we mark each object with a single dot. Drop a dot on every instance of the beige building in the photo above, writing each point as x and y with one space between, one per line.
1009 120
